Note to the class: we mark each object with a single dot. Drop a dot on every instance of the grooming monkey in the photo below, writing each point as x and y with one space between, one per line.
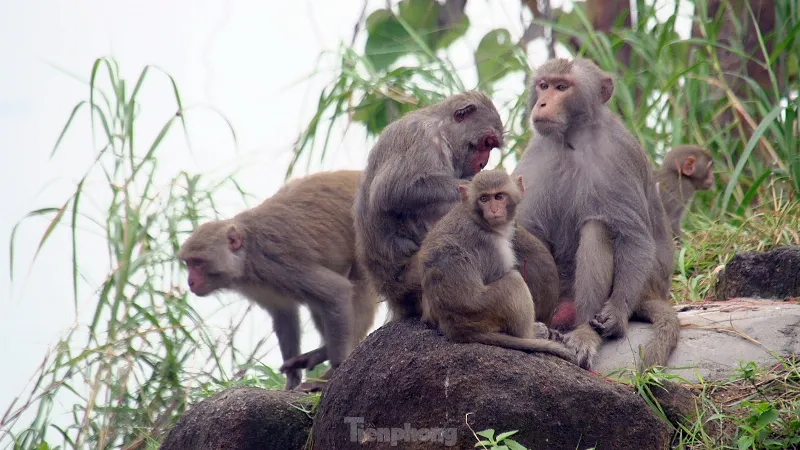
591 198
411 181
470 287
297 247
685 170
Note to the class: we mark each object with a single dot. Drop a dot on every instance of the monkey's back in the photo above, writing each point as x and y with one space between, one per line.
310 219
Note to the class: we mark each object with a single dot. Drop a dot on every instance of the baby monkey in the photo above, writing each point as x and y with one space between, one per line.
470 289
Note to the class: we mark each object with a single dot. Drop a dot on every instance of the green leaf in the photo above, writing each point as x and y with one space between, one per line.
422 16
387 40
486 433
767 417
514 445
450 35
502 436
495 57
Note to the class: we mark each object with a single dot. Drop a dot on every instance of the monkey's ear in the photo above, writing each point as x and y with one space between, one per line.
464 191
689 165
234 238
606 89
462 113
521 185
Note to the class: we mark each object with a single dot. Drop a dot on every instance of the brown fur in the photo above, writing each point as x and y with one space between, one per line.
297 247
685 170
591 197
470 288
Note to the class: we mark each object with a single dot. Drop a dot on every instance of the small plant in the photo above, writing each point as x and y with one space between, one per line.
501 442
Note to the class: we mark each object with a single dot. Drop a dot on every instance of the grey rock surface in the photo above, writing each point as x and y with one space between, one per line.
774 275
715 337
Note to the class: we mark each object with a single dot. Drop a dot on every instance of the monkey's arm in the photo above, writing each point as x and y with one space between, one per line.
425 191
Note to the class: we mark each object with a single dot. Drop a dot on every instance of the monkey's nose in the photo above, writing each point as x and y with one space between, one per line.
191 283
542 105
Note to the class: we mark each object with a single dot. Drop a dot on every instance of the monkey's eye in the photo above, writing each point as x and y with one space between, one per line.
543 86
499 196
562 87
483 198
462 113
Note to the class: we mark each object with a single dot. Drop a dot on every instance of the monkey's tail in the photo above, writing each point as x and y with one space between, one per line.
666 331
525 345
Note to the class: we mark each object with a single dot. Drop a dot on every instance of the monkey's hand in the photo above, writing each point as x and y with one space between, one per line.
307 360
611 322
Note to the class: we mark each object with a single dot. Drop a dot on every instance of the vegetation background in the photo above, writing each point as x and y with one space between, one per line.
140 350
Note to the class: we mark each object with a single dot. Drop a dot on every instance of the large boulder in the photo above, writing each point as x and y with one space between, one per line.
243 418
715 337
408 386
774 274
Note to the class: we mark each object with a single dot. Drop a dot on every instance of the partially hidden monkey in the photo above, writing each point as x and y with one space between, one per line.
297 247
685 170
591 199
470 287
411 180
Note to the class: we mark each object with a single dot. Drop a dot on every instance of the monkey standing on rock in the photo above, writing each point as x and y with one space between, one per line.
591 197
470 288
296 247
411 181
685 170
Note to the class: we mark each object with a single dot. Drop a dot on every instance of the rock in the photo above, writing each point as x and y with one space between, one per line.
774 274
406 379
714 338
242 419
677 402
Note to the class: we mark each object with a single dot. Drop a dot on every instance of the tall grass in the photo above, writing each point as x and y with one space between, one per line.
144 353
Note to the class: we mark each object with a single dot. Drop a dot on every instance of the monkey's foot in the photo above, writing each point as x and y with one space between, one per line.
610 322
308 387
305 361
584 351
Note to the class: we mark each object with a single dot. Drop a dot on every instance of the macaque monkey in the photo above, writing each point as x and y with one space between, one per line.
470 287
297 247
411 181
686 169
591 198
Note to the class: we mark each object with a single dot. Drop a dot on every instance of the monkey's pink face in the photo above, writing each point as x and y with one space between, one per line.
489 142
494 207
708 183
198 281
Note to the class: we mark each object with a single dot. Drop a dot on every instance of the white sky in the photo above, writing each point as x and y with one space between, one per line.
247 58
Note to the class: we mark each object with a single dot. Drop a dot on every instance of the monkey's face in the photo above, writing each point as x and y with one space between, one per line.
214 256
475 130
552 97
495 207
708 182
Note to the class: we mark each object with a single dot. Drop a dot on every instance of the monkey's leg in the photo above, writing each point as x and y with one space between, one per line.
286 323
594 270
330 296
365 304
538 268
666 331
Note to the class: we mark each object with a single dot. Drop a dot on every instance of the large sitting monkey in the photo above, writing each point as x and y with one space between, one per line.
591 198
